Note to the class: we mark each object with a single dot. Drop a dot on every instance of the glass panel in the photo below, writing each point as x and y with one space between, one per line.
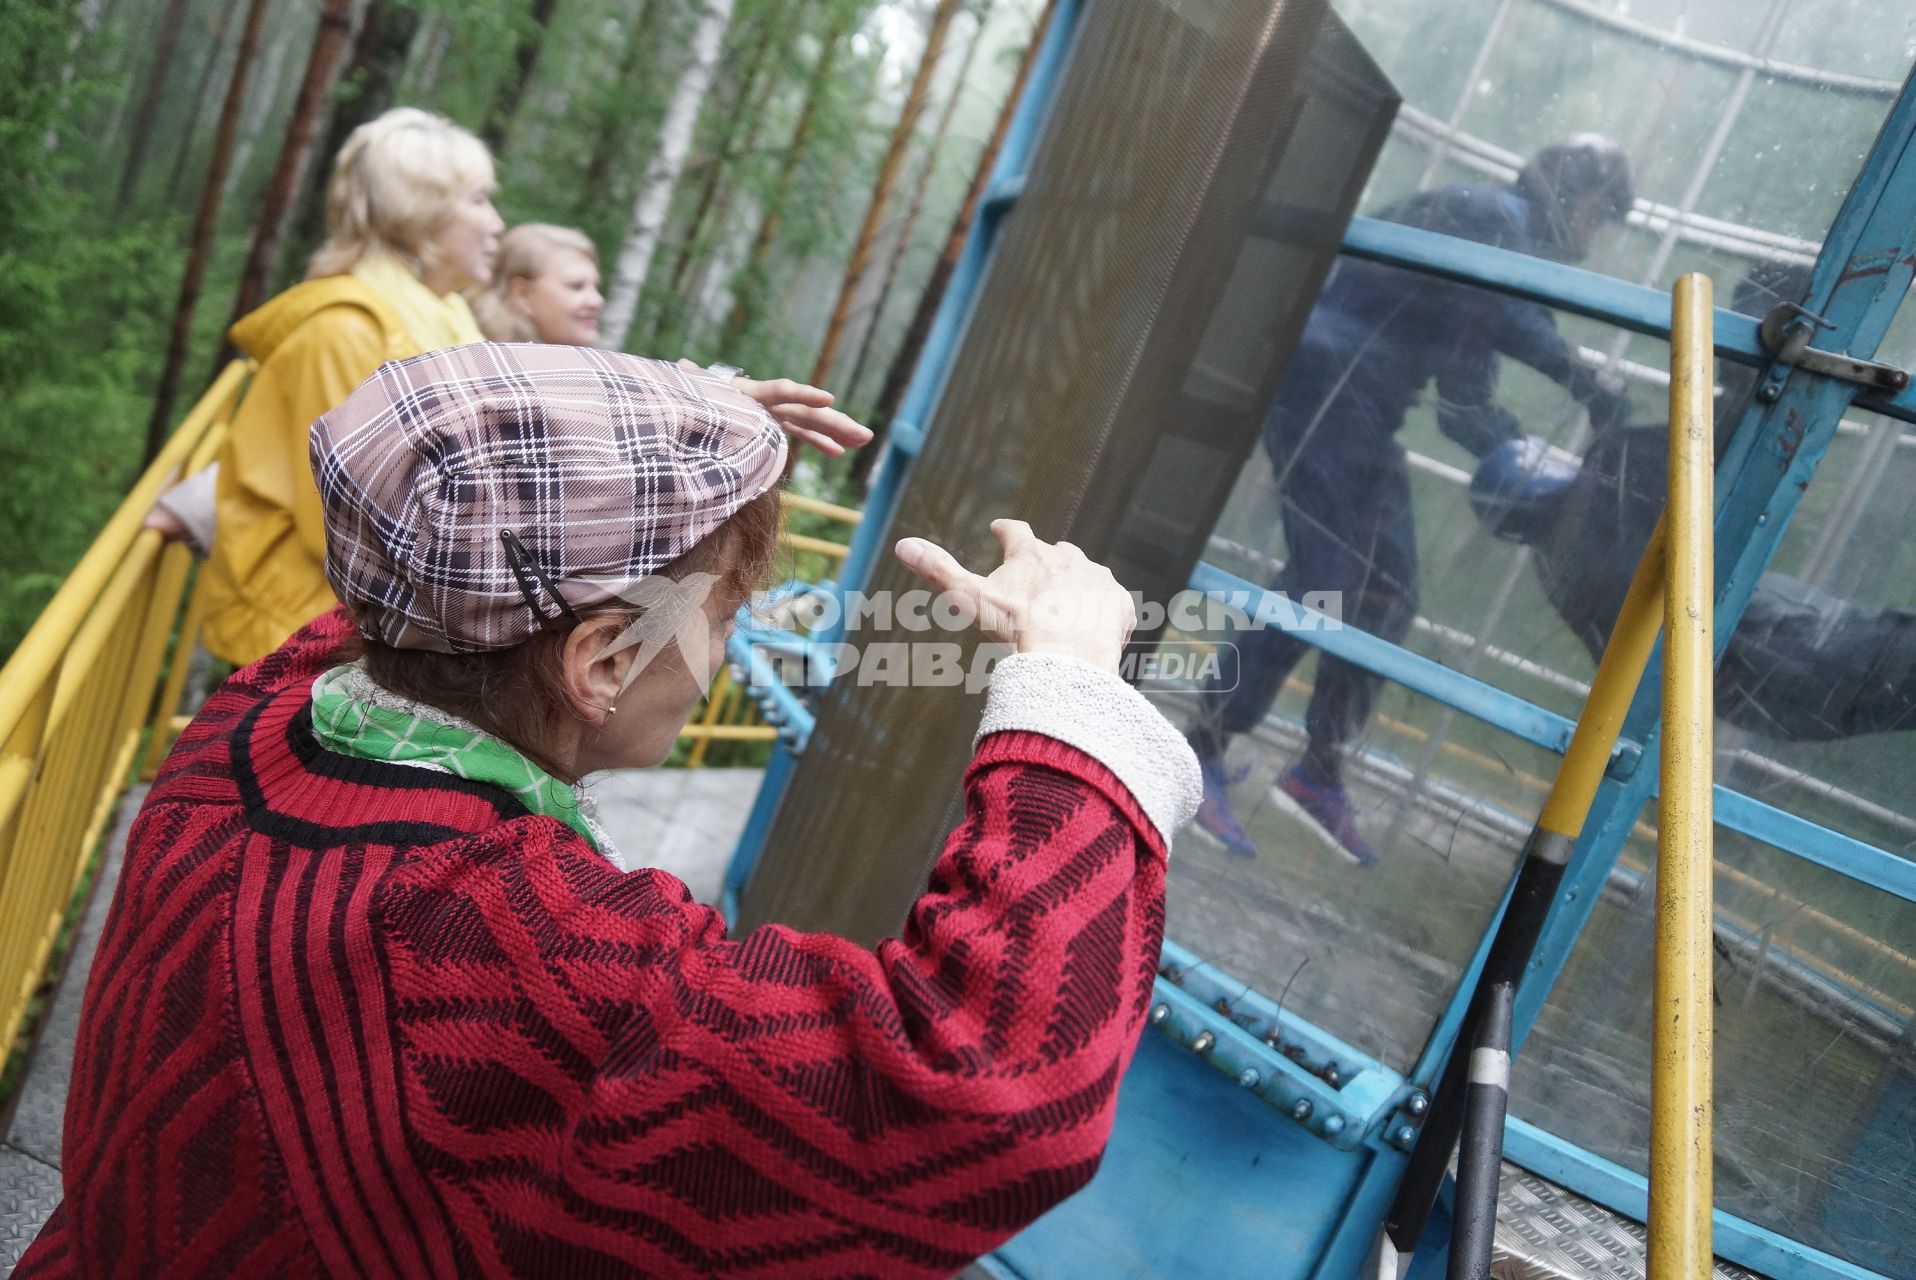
1815 1047
1360 490
1368 955
1817 690
1706 98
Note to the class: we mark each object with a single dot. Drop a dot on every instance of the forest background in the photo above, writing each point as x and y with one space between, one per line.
770 182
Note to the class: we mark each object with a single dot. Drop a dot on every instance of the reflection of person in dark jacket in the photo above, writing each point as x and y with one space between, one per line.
1378 337
1802 664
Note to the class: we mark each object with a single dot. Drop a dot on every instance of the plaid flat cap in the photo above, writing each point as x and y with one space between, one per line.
602 467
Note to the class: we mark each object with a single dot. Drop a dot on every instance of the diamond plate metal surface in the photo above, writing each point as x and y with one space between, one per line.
1546 1233
29 1192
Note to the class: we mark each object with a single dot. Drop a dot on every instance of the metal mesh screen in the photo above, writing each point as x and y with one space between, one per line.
1186 202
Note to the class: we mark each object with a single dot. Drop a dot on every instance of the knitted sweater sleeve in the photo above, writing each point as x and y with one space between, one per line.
892 1112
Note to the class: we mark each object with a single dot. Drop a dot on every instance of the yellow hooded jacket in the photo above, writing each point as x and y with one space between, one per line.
266 577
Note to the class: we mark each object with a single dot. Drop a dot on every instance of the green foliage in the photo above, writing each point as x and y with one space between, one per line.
82 306
85 301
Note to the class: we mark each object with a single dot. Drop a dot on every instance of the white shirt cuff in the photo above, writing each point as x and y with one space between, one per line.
1102 716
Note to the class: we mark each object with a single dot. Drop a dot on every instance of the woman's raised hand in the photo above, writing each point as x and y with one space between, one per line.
1047 597
806 414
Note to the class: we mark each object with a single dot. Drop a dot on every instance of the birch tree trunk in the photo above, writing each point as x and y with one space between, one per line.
719 220
744 112
609 145
895 260
336 20
750 277
143 119
88 21
205 221
881 190
271 73
525 57
662 175
906 359
207 75
430 52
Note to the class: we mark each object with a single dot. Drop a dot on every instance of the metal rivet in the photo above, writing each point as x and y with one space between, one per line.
1417 1104
1331 1076
1249 1078
1333 1125
1203 1042
1301 1109
1405 1137
1160 1013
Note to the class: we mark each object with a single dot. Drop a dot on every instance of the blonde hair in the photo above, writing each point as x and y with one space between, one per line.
393 186
525 252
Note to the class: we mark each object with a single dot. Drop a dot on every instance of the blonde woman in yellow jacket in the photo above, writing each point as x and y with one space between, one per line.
410 224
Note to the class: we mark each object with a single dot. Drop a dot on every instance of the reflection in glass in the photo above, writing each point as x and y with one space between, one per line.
1368 955
1815 1047
1379 342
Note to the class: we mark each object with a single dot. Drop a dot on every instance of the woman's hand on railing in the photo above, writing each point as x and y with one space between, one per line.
169 525
1045 598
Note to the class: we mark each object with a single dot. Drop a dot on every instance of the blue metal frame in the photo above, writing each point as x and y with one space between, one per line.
1859 280
907 432
1191 999
927 382
1863 271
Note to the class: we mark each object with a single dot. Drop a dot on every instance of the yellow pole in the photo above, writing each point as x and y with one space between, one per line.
1680 1175
1619 670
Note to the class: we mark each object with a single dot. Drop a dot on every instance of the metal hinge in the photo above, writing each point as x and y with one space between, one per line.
1786 332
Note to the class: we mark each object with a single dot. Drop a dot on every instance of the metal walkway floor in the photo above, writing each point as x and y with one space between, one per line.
683 820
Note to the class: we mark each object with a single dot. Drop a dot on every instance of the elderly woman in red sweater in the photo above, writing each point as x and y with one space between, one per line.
378 996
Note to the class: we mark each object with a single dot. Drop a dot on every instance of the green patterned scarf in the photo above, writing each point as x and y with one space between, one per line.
348 719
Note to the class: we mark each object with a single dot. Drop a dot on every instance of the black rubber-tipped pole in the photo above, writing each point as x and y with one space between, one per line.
1480 1156
1537 880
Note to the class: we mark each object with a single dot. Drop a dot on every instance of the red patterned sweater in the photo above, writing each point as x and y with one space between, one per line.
355 1018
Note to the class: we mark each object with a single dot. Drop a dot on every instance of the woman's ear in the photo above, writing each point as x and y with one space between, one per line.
517 290
593 677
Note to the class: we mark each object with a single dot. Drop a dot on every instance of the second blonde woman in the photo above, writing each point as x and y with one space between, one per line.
545 288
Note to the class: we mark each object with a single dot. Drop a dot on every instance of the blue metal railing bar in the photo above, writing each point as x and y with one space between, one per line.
1473 697
1812 842
1635 307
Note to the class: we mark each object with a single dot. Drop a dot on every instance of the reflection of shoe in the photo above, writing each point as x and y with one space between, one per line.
1214 816
1327 807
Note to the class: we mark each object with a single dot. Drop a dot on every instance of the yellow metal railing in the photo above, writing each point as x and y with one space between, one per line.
77 698
1681 1049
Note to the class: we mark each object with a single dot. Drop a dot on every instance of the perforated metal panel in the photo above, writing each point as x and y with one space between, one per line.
1179 218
